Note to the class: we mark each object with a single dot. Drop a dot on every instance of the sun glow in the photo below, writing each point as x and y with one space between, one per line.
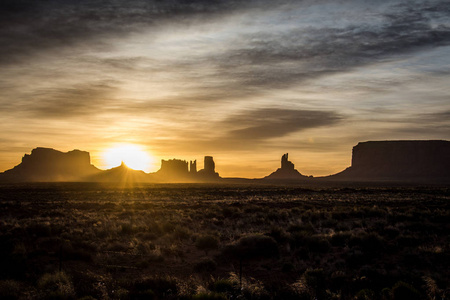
132 156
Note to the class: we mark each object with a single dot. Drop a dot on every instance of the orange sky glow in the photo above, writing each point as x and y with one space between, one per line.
244 82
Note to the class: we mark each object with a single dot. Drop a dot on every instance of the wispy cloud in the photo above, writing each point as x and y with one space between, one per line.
236 75
263 124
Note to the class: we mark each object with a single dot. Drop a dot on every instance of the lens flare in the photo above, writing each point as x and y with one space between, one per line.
133 156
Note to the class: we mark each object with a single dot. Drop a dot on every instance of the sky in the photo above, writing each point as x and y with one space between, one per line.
242 81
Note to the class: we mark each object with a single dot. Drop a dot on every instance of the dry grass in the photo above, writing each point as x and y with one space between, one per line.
292 243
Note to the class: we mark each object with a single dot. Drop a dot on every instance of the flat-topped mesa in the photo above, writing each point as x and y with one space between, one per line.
287 170
47 164
173 168
399 160
48 156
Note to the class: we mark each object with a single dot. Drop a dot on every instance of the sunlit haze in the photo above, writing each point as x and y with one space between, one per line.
242 81
132 156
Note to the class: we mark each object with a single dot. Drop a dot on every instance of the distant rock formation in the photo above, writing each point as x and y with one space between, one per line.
209 170
173 169
46 164
121 174
49 165
193 167
405 161
287 171
286 164
398 160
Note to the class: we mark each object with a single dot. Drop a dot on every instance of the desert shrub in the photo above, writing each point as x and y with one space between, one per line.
13 258
209 296
305 228
299 290
287 267
298 239
85 285
365 294
315 280
408 241
206 243
339 215
140 295
413 259
206 265
402 290
275 215
432 289
10 289
224 286
288 293
354 241
278 234
127 229
317 244
371 243
147 236
355 258
168 227
39 229
181 233
160 286
117 246
340 239
56 286
92 298
374 212
75 252
386 294
253 246
342 227
390 232
230 212
154 228
251 289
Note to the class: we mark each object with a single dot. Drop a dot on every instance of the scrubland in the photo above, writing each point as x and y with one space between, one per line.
90 241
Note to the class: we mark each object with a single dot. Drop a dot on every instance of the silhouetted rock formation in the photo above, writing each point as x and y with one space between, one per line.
285 163
209 170
287 171
398 160
193 167
46 164
173 169
414 161
120 174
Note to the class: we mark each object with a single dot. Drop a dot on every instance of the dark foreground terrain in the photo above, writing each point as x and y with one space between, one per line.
91 241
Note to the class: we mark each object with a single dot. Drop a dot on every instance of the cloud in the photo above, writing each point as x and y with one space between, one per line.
272 59
181 75
67 102
267 123
270 47
30 27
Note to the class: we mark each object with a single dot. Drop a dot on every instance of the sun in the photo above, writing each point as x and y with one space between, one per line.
131 155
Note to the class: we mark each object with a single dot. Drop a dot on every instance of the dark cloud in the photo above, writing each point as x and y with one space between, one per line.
438 120
79 100
278 60
261 60
251 130
269 123
29 27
